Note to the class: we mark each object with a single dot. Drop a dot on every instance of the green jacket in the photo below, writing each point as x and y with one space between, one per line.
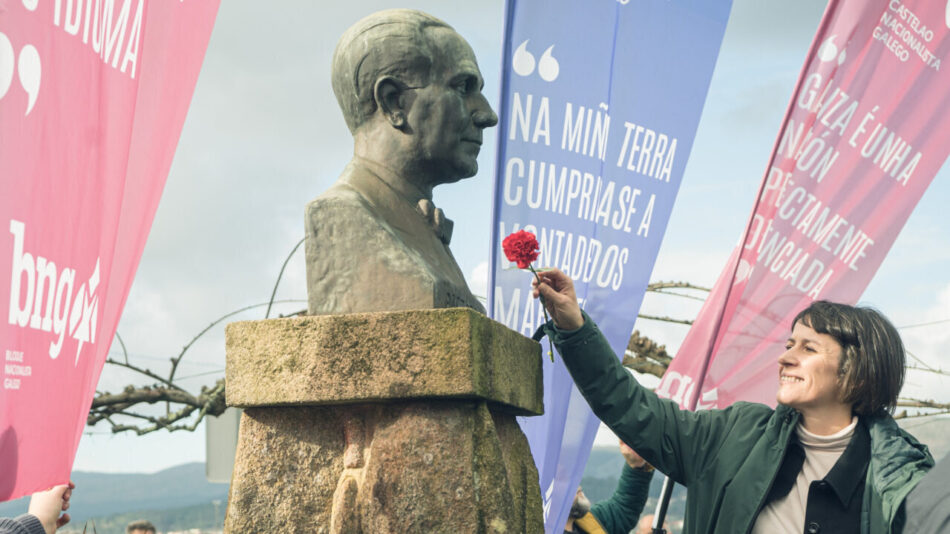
727 458
621 512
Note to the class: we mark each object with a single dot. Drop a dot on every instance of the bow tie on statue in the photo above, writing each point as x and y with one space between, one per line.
436 218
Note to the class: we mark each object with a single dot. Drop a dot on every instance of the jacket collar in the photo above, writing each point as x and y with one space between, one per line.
849 471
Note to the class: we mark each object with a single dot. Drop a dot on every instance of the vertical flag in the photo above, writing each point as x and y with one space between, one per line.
93 95
866 130
600 104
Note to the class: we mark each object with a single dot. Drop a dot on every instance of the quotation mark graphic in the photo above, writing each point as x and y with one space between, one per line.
828 51
523 63
28 70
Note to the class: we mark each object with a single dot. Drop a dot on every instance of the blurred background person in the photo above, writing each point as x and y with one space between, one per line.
140 526
928 506
619 513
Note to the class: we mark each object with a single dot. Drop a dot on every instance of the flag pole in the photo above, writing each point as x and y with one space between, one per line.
662 505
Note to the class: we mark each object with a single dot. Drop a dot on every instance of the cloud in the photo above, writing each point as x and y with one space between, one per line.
761 26
478 280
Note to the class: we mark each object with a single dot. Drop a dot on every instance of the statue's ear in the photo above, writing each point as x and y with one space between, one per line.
389 93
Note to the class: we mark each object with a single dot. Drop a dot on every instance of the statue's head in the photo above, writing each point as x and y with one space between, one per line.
408 78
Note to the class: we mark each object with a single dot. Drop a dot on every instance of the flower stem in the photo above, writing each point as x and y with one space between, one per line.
543 309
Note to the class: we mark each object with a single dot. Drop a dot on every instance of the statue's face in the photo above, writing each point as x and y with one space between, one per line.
447 116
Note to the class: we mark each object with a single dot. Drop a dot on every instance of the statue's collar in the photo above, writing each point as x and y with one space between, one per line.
369 171
398 184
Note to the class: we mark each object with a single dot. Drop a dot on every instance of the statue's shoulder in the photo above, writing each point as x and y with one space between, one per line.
342 195
341 203
344 216
352 193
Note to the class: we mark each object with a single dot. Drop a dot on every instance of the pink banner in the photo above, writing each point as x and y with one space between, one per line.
93 95
866 130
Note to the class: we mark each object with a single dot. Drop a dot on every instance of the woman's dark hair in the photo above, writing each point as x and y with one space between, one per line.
871 370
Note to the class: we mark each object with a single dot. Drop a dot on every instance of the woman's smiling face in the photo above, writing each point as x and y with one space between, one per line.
808 370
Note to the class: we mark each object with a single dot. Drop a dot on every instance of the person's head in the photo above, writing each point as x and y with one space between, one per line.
140 526
842 354
580 506
409 86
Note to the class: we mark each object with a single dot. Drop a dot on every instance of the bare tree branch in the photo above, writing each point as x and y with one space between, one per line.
281 275
904 415
211 401
643 366
644 355
928 370
657 286
122 344
664 319
146 372
148 395
921 403
663 289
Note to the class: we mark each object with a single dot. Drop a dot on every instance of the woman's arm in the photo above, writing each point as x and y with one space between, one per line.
677 442
24 524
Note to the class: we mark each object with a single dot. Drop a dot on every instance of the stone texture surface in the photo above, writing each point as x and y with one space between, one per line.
438 466
288 464
372 357
383 422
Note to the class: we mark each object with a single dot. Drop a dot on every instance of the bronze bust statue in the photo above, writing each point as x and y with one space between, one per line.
410 91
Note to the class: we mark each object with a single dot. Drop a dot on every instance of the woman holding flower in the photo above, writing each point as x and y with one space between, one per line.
828 459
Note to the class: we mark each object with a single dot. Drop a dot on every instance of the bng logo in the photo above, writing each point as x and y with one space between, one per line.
42 297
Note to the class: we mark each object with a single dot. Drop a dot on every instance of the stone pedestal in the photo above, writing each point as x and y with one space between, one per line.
383 422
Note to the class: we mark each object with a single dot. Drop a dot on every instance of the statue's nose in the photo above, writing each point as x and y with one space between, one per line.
484 116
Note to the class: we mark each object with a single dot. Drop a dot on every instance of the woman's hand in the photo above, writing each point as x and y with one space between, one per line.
46 506
559 299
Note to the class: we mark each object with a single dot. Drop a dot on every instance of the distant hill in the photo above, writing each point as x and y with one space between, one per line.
202 516
106 494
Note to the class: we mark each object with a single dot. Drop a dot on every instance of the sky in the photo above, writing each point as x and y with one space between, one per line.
264 136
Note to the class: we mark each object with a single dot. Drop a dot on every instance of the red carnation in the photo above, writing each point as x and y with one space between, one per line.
521 247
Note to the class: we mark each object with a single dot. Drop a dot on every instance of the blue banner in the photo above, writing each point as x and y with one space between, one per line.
600 104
